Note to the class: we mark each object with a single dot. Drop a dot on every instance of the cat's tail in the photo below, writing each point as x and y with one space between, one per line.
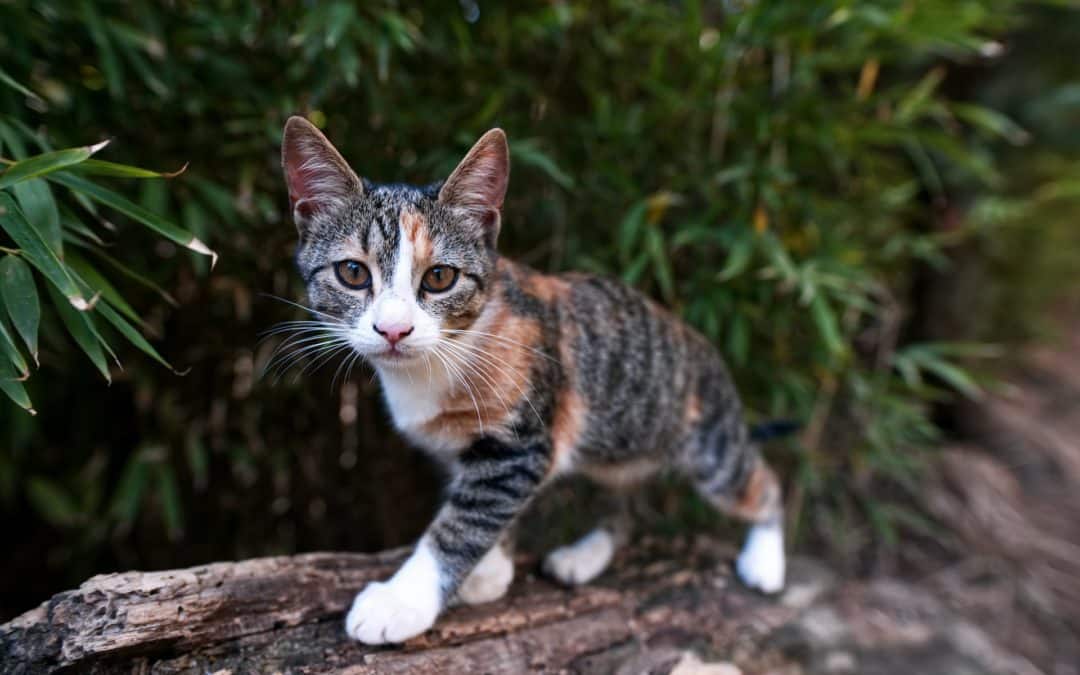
766 431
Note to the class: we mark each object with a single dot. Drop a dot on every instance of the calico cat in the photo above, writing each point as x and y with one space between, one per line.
510 377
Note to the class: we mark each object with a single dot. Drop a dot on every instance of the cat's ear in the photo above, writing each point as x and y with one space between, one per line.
478 184
318 177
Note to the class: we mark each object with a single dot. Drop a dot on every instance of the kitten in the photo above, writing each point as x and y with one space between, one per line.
510 377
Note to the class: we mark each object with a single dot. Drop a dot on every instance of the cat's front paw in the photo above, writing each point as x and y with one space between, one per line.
382 613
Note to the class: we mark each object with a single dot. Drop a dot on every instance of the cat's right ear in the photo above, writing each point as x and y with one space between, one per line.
318 177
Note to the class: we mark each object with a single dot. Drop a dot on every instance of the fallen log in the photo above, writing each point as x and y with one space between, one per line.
284 614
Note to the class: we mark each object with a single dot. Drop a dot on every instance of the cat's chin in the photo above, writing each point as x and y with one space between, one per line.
397 359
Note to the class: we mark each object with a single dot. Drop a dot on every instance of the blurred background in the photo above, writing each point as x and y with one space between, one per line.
870 208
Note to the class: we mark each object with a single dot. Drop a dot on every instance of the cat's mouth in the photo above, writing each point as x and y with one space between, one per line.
396 355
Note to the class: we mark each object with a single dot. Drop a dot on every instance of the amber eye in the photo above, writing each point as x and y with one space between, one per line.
439 279
353 274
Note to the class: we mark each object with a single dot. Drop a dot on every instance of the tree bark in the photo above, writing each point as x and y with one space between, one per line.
285 614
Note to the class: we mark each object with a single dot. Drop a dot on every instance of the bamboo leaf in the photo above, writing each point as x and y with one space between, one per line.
96 283
40 165
135 212
97 167
737 260
19 294
14 389
128 331
82 330
138 278
125 501
38 252
110 65
169 493
11 82
11 350
825 320
52 502
40 209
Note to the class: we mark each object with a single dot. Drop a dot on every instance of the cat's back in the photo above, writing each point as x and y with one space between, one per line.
643 376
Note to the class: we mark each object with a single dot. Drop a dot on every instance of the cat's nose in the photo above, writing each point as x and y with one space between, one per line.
393 332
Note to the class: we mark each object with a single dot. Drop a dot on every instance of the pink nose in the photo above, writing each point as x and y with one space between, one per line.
393 332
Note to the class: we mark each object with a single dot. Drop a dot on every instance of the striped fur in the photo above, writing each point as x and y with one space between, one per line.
513 378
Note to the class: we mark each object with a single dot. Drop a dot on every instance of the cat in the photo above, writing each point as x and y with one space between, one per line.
510 377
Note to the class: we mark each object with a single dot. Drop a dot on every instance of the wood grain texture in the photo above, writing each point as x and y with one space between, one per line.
284 614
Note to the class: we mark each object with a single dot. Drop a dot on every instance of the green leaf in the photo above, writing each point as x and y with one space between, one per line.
138 278
110 66
128 496
956 377
128 331
169 493
11 82
737 260
11 350
38 206
97 167
20 296
825 320
14 389
134 211
528 153
82 330
96 283
631 227
52 502
738 339
40 165
654 242
38 252
991 121
919 95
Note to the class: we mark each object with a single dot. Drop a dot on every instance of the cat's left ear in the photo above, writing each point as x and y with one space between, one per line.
318 177
478 184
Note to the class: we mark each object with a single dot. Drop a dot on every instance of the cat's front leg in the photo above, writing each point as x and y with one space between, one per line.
493 483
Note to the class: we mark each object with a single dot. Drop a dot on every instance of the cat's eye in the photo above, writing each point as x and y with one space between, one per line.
439 279
353 274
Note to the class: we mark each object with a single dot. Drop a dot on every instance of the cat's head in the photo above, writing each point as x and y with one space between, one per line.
393 268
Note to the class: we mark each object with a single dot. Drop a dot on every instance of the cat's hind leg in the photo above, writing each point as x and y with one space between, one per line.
731 475
585 559
491 577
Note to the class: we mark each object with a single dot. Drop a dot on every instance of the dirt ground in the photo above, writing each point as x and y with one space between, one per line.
1008 598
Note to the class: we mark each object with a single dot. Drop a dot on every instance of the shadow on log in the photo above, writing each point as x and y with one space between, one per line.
284 614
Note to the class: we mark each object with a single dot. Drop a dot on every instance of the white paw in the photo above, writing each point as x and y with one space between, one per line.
401 608
489 579
380 615
582 561
761 563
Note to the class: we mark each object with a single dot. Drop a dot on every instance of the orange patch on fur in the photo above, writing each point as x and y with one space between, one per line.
414 226
497 370
566 428
692 409
760 497
546 287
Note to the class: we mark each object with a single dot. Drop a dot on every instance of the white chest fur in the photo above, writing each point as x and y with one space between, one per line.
415 396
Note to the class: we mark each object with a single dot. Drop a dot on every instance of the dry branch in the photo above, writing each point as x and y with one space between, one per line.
285 614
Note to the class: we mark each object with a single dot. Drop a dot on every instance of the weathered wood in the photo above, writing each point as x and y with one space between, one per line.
285 614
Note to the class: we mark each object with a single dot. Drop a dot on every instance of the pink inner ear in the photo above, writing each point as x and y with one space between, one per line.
480 180
316 175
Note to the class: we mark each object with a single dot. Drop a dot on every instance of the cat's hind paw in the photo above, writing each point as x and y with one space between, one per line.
380 615
582 561
489 580
761 563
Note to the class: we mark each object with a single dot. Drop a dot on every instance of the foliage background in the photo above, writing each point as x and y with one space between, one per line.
852 199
